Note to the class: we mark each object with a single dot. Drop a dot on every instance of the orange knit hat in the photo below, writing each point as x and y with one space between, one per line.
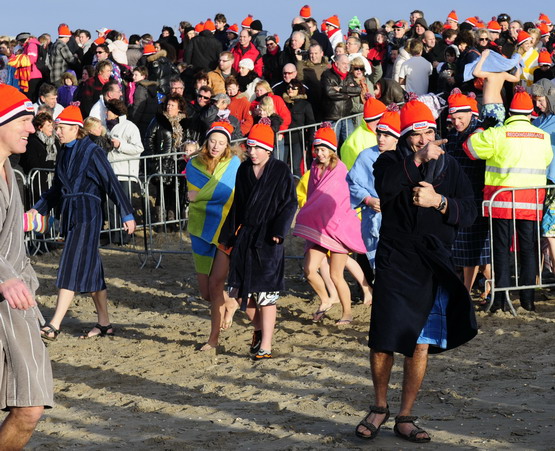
64 31
247 21
545 58
199 27
262 135
458 102
222 127
333 21
390 122
473 104
522 37
233 29
373 109
494 26
305 12
522 102
209 25
13 104
544 30
416 116
543 18
149 49
71 115
472 21
453 16
325 136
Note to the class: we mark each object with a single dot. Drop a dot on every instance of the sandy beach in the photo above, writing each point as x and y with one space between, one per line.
148 388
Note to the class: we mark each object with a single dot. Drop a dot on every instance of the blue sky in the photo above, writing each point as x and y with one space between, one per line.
142 16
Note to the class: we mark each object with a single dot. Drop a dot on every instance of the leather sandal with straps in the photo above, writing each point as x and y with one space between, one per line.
412 436
372 428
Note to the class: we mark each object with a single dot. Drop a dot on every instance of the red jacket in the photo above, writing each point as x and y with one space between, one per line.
240 108
280 107
252 53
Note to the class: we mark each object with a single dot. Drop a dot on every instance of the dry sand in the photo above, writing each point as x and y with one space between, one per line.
148 388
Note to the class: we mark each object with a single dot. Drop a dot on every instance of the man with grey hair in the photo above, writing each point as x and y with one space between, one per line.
218 111
353 51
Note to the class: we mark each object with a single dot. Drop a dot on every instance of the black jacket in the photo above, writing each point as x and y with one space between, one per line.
337 104
145 105
210 115
203 51
161 70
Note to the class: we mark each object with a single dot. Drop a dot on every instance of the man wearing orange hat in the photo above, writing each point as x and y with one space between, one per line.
203 51
333 31
259 220
424 198
517 155
60 56
26 376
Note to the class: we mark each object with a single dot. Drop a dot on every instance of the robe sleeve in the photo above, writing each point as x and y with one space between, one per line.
461 206
392 177
50 199
285 209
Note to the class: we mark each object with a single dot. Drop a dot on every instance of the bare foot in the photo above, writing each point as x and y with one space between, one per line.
334 300
230 309
207 347
367 295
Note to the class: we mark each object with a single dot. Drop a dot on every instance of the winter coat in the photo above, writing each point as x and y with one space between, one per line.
301 114
311 74
210 115
118 49
134 54
203 51
216 80
130 146
145 105
337 104
279 107
272 67
161 70
250 52
259 41
240 108
87 94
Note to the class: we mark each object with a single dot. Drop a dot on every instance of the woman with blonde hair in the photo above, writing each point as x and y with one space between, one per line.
211 187
529 56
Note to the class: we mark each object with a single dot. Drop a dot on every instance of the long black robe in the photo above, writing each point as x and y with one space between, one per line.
262 208
413 254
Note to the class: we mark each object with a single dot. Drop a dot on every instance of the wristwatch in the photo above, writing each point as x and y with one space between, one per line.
442 204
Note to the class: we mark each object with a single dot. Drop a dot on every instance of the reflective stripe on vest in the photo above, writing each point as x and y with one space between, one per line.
528 171
516 205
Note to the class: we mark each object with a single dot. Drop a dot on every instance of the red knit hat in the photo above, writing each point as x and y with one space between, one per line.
480 23
209 25
325 136
522 37
333 21
373 109
545 58
247 21
224 127
522 102
233 29
306 12
64 31
262 135
543 18
458 102
13 104
544 31
71 115
416 116
453 16
390 122
149 49
494 26
199 27
472 21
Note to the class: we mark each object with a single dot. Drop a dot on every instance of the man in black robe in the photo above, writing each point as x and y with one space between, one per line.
256 226
420 305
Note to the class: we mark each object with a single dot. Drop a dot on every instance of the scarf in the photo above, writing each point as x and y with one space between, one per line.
50 143
342 75
330 33
431 170
223 114
274 51
177 129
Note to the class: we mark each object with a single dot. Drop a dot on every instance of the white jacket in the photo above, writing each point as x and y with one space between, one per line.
130 147
401 58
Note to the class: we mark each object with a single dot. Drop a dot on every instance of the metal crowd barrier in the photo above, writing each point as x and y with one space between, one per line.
515 273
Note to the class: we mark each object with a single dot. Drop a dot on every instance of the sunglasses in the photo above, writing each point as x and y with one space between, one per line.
484 39
358 68
203 97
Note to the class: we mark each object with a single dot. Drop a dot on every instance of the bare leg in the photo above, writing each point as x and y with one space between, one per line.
216 284
268 316
337 268
312 262
62 305
486 270
414 369
470 273
551 247
380 364
203 286
325 274
354 268
100 299
18 427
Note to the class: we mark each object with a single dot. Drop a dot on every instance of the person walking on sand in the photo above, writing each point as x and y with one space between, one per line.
211 185
328 223
26 386
420 304
82 178
257 224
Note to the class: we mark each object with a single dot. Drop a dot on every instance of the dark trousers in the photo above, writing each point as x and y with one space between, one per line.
527 260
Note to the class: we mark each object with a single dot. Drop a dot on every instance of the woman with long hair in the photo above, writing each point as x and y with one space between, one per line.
211 186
